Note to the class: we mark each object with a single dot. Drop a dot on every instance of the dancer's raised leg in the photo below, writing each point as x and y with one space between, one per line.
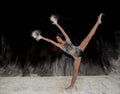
87 39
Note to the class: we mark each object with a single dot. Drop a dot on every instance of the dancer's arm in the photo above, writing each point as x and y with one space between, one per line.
37 36
54 20
51 41
63 32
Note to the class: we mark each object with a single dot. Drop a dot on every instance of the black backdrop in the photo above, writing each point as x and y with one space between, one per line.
18 48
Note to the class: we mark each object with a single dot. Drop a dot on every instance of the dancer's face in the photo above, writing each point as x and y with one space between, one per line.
59 39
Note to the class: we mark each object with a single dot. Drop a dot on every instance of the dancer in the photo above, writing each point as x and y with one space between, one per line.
67 46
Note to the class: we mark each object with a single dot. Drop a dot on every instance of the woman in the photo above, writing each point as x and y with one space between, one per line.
67 46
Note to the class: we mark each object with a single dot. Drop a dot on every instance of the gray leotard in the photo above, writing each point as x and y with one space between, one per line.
68 46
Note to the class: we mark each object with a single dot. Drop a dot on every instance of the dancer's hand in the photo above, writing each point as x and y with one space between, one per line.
54 19
36 35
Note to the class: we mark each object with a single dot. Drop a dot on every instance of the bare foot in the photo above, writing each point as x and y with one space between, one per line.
69 87
99 18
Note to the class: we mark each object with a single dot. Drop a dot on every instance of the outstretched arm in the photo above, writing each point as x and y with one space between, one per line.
37 36
51 41
54 20
63 32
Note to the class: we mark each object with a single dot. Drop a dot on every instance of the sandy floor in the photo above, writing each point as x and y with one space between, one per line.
56 85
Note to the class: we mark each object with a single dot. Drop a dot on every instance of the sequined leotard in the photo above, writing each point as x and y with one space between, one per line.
68 46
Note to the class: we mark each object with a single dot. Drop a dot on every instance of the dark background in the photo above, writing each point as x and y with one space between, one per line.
20 20
18 48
